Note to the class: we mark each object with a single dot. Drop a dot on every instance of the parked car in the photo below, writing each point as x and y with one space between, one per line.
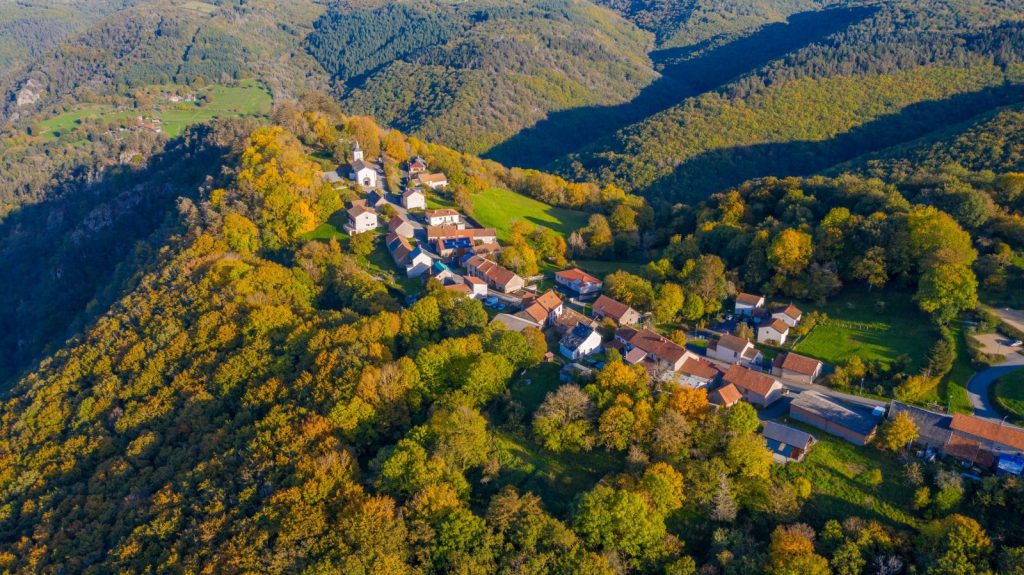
491 301
1016 343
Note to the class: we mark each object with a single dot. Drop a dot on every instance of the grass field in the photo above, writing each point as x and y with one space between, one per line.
836 471
1009 394
881 325
497 208
247 98
953 388
602 268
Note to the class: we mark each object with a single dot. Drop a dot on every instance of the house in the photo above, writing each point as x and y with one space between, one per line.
401 226
581 341
451 248
410 259
786 443
362 171
698 373
746 303
620 313
578 281
360 219
725 396
854 423
796 367
481 235
513 322
775 331
476 285
460 288
417 165
570 318
646 346
443 216
496 276
757 388
432 181
790 314
543 308
376 199
732 349
932 427
414 199
983 441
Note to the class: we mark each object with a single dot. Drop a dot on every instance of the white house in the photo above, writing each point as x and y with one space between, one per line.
401 226
775 331
790 314
432 181
746 303
360 219
477 286
362 171
411 259
733 349
579 342
443 217
578 281
414 199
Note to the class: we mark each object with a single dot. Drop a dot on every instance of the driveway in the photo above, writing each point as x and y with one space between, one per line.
977 387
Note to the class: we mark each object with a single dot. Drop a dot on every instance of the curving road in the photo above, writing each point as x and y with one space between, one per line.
977 387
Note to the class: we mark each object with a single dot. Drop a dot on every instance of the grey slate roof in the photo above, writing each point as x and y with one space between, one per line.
848 415
933 427
788 435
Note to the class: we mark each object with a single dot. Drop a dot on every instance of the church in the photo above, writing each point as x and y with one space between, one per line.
366 173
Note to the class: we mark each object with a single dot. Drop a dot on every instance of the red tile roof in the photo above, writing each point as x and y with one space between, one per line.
734 343
537 312
445 232
778 325
611 308
728 394
997 432
791 311
750 380
576 274
652 343
800 364
698 368
748 298
495 273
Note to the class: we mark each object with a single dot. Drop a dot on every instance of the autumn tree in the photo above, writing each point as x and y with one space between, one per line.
898 432
566 420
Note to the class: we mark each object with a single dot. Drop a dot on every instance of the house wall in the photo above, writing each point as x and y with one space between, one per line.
418 266
414 201
723 354
792 375
769 334
785 319
745 309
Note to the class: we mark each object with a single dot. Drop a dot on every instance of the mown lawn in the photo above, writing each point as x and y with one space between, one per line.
953 388
601 268
837 471
881 325
1009 393
498 208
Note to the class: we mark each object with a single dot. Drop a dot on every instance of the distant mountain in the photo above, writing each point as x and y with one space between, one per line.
165 42
472 74
899 72
685 22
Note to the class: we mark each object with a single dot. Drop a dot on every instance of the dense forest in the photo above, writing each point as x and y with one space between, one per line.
902 72
257 402
472 74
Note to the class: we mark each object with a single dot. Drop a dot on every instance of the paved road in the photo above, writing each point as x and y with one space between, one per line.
977 387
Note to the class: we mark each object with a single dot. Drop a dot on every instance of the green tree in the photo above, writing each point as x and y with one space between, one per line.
898 432
620 520
668 302
566 420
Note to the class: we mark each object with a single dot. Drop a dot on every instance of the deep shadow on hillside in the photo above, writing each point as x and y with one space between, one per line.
720 169
683 76
67 258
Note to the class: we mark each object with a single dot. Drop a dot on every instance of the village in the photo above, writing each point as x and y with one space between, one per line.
583 325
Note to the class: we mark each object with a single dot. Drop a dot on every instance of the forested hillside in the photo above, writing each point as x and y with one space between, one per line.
686 22
902 72
472 74
259 402
167 42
